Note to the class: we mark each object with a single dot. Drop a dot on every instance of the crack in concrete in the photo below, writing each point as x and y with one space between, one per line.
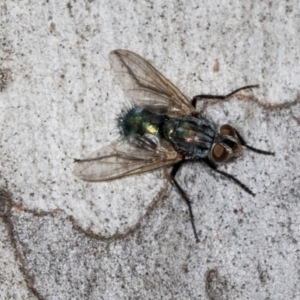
6 205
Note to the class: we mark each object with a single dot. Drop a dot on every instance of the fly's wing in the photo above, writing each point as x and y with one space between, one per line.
126 156
147 87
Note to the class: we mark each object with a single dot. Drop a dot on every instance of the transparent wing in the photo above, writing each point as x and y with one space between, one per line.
126 156
147 87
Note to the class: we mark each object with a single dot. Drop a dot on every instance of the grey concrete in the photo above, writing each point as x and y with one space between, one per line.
132 238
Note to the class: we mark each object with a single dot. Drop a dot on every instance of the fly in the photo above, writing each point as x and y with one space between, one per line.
161 129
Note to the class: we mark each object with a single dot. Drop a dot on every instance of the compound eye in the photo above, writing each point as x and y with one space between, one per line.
219 153
227 130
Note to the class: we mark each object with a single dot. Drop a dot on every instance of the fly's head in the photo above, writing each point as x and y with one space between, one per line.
227 145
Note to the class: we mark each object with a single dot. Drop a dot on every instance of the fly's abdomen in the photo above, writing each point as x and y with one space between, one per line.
140 121
190 135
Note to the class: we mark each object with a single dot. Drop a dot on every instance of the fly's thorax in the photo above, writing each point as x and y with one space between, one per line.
192 136
139 121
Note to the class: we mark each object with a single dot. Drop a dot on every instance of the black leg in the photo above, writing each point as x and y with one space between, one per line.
174 171
252 148
222 97
242 185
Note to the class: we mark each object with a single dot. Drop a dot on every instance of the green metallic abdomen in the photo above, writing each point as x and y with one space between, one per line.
140 121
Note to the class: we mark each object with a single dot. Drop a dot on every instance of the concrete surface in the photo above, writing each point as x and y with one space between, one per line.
131 239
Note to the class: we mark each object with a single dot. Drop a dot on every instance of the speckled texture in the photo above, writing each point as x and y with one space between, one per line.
132 239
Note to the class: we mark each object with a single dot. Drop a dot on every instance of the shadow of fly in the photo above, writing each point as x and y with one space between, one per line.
162 129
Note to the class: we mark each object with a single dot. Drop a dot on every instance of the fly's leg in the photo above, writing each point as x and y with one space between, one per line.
243 142
199 97
242 185
174 171
222 97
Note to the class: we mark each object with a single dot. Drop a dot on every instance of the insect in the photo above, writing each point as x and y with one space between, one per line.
161 129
